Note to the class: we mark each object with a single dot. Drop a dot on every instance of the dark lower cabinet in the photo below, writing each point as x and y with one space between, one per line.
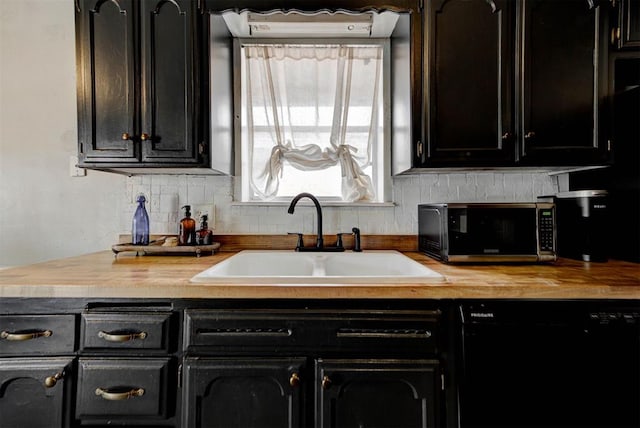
376 393
34 392
395 364
338 367
243 393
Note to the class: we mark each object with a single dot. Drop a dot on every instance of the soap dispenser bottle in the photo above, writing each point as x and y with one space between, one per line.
140 227
187 234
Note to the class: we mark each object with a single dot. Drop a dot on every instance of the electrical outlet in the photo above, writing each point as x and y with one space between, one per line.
74 171
197 210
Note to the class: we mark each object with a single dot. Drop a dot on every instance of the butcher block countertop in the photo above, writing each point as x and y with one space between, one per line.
101 275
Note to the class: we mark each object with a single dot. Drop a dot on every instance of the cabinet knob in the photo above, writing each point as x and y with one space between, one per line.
507 136
326 382
109 337
126 136
51 381
294 380
529 135
21 337
144 136
118 396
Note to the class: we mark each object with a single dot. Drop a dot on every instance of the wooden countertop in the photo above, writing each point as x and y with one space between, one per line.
129 276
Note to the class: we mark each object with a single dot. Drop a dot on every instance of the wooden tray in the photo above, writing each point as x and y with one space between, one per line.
160 250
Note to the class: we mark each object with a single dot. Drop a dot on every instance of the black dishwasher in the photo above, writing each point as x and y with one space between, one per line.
549 364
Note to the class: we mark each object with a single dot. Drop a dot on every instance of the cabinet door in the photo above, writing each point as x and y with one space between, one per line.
32 392
106 81
628 24
376 393
170 81
243 393
563 82
470 82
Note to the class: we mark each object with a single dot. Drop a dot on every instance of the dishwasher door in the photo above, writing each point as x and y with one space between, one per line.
549 364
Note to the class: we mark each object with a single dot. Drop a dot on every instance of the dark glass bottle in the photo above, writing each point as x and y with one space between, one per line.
187 235
140 227
204 235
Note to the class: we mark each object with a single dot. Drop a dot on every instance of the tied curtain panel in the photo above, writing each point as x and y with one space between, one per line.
312 107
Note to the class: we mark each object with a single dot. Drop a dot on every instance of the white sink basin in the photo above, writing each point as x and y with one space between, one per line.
252 267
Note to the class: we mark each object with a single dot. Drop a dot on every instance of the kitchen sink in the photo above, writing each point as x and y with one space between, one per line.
255 267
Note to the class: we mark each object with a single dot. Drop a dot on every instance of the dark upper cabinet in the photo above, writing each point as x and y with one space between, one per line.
626 35
514 83
138 83
562 83
107 90
470 117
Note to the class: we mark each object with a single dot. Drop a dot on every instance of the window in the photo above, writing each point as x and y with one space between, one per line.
315 118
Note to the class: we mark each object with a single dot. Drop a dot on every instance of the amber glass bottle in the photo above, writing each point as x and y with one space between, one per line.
187 234
204 235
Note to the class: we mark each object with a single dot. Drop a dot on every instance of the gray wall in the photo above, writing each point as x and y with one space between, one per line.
45 213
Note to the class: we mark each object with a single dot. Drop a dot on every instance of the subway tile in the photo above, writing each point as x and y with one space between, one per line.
168 193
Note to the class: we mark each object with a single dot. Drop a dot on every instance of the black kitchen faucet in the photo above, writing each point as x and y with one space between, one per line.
319 239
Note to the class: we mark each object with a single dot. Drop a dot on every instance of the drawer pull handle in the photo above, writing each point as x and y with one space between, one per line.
109 337
294 380
246 332
384 334
51 381
21 337
118 396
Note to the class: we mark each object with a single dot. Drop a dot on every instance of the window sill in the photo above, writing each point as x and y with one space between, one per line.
323 203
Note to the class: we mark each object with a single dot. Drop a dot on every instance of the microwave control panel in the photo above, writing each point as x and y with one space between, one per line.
545 228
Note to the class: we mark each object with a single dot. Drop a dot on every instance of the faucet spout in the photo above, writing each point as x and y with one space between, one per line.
292 206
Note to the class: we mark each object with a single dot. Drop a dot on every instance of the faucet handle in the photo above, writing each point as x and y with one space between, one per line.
339 243
299 244
356 240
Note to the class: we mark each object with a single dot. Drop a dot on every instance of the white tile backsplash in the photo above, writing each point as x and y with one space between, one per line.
166 194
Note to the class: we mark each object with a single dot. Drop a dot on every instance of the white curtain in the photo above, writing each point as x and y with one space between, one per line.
314 107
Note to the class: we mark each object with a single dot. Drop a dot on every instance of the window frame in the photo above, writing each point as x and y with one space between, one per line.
381 170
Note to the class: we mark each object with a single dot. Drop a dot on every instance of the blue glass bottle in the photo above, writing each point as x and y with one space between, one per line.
140 229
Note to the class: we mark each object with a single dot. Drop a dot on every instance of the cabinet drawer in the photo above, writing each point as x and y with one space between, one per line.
122 388
242 331
312 331
129 330
37 334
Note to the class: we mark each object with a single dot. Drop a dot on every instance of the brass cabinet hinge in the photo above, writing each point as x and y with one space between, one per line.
615 35
608 145
419 149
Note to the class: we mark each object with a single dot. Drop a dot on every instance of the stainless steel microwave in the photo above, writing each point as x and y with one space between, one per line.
488 232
